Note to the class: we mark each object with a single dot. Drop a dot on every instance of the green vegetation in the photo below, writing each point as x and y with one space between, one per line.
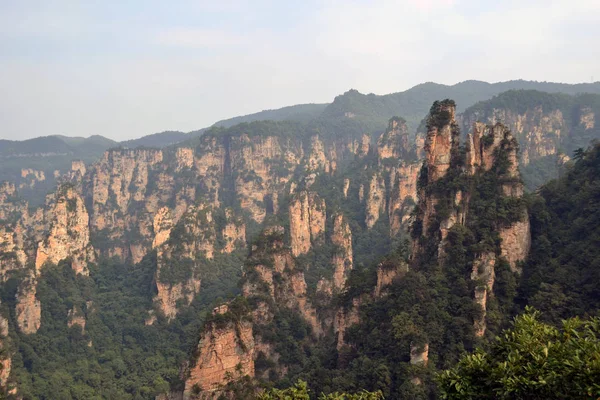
532 360
300 392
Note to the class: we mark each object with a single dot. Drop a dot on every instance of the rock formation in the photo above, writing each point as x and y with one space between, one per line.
341 237
69 234
307 220
225 353
29 309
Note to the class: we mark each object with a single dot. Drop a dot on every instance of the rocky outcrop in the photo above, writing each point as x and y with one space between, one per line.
5 357
184 157
403 196
225 353
125 189
273 273
76 317
516 243
78 167
262 165
69 235
341 238
29 309
587 118
177 252
345 318
393 143
307 221
234 232
440 146
442 138
419 355
490 150
484 275
539 131
30 178
375 202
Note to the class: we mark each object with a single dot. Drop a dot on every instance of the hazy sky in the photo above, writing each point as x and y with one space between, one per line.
125 68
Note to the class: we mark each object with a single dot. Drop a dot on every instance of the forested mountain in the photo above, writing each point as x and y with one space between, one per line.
257 254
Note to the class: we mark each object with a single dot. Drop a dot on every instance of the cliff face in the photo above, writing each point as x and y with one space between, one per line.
341 237
262 165
541 123
28 309
69 234
403 196
177 277
225 354
307 221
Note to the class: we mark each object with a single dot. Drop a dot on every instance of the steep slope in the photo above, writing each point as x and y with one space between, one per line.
370 112
549 127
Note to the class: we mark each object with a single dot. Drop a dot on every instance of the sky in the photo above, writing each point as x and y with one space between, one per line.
128 68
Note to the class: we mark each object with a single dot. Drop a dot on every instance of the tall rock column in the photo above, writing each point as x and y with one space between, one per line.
307 221
342 259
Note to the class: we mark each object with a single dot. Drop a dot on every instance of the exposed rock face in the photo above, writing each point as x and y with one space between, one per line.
375 205
364 146
484 273
394 142
185 158
342 259
346 187
37 175
195 238
491 149
11 248
587 118
441 139
307 221
76 317
419 355
30 177
29 308
539 131
344 319
225 353
168 295
78 166
403 196
121 199
69 234
5 359
316 158
516 243
441 143
263 165
387 273
234 232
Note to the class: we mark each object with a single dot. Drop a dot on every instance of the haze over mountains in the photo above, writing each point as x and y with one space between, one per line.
364 112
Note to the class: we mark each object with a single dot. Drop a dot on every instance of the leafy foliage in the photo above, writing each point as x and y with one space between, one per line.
532 360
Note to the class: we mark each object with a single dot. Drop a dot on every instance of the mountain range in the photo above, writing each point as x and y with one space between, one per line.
363 244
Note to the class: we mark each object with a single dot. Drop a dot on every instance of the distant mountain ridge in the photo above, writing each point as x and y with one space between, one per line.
350 114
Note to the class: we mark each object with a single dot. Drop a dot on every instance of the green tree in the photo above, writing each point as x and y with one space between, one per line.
300 392
532 360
